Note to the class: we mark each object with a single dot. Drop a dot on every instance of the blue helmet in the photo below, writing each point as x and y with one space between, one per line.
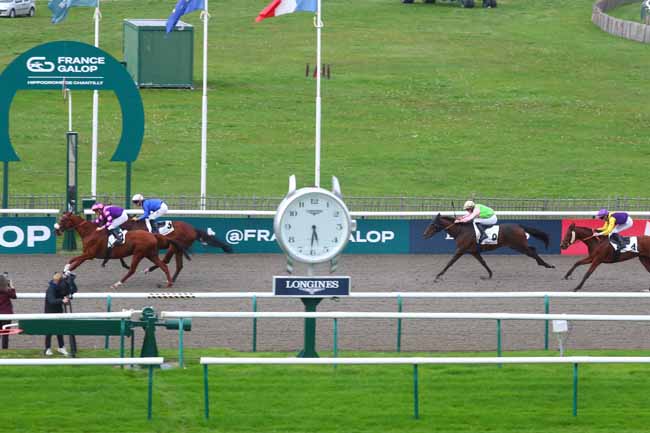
602 213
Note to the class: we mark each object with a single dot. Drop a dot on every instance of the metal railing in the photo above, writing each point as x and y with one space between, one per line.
360 203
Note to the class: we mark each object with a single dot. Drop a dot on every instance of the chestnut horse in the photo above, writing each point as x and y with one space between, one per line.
601 251
510 235
184 235
139 244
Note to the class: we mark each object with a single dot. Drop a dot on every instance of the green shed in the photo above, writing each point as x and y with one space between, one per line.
155 58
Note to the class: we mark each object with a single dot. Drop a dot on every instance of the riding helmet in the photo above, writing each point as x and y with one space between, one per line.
602 213
97 206
468 204
137 198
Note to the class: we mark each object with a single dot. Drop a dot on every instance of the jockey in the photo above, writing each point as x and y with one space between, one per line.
153 208
110 217
615 222
481 216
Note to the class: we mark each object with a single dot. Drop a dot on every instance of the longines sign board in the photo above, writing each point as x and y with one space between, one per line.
316 287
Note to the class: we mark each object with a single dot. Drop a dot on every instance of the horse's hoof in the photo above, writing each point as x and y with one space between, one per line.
486 278
551 267
116 285
146 271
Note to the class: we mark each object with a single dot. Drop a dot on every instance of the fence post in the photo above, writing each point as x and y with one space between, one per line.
546 310
108 310
399 324
180 342
575 389
150 394
416 402
254 324
206 406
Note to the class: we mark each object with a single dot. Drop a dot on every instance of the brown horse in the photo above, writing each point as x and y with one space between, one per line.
601 251
184 235
510 235
138 244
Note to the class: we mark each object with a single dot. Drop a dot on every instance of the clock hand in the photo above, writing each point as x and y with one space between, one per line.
314 236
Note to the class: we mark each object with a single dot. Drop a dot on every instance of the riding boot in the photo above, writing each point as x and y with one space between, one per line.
481 229
154 227
119 235
618 239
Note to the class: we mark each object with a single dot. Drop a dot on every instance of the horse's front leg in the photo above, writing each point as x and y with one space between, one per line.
591 269
75 262
457 256
134 264
479 257
580 262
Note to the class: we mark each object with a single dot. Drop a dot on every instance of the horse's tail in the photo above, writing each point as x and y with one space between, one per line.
177 245
536 233
208 237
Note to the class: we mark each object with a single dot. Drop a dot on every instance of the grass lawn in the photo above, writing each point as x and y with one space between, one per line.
525 100
514 398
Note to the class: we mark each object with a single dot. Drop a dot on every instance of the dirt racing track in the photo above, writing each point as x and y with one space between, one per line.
253 273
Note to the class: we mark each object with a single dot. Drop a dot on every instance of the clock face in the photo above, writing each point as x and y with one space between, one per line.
313 227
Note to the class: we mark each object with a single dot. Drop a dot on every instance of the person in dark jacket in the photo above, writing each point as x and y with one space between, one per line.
7 293
55 297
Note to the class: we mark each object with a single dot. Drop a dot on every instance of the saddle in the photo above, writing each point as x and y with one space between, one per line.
491 235
165 227
114 240
630 245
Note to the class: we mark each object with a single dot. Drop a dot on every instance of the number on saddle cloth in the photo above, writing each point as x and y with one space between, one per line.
165 227
630 244
491 235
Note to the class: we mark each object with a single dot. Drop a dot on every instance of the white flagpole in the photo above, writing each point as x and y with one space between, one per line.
319 25
204 109
93 168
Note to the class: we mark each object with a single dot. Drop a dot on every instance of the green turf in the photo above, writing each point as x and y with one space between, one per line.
514 398
527 99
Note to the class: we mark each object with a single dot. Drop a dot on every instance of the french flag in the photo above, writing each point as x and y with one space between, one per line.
281 7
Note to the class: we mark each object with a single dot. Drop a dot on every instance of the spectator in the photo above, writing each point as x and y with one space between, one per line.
55 298
7 293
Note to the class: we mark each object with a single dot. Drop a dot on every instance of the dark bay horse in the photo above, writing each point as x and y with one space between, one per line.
601 251
185 235
510 235
137 244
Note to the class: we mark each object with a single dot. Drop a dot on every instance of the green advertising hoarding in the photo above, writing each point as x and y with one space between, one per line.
255 235
27 235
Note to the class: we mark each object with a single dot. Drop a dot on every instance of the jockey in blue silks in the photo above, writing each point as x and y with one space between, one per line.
153 208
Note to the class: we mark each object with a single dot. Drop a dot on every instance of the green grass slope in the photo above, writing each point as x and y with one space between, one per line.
526 100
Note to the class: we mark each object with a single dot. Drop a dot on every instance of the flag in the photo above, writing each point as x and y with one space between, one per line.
60 8
183 7
281 7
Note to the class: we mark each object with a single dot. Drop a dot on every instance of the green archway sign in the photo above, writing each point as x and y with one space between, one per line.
78 66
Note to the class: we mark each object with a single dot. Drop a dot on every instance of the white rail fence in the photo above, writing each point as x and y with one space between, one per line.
416 361
400 297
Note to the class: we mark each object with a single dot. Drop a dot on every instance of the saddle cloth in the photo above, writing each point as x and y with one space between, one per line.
631 245
492 235
165 227
112 240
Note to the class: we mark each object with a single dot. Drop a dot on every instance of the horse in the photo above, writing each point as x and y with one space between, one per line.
139 244
601 251
510 235
184 235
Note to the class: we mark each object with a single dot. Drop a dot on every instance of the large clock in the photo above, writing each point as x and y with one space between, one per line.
312 225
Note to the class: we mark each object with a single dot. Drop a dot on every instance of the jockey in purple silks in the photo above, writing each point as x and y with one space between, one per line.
110 217
615 223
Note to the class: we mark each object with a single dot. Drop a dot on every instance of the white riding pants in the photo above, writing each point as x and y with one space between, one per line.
118 221
487 221
626 225
160 212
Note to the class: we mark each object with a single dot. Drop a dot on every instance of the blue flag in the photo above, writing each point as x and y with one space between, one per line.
60 8
183 7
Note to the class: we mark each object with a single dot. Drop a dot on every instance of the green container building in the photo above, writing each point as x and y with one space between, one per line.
157 59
